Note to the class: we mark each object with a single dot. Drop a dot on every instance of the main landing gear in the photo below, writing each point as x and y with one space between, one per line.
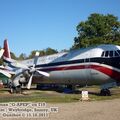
105 92
15 90
105 88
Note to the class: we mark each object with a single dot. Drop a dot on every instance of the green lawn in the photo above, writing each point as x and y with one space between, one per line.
55 97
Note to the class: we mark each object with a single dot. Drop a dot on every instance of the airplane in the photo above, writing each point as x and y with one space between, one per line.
98 65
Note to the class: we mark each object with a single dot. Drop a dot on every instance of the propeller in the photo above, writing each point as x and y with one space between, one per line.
43 73
33 70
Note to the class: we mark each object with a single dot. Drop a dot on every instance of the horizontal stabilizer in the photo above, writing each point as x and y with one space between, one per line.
1 52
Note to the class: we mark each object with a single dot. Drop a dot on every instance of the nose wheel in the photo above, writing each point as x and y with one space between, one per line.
105 92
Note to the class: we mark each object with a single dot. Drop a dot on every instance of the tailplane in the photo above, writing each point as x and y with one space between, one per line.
1 52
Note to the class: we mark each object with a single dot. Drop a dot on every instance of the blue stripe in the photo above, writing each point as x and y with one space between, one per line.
9 64
108 61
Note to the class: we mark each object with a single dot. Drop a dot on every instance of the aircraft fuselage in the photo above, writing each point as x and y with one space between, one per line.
90 66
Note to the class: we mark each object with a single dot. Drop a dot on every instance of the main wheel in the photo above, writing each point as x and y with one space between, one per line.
105 92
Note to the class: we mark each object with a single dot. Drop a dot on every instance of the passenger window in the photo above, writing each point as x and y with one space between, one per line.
103 53
116 54
106 54
111 53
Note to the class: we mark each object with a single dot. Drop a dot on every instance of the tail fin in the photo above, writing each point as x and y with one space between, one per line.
7 57
7 50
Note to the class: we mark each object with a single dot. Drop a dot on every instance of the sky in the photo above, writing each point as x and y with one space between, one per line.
38 24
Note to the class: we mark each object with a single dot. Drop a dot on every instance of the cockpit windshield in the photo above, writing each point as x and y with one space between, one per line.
115 53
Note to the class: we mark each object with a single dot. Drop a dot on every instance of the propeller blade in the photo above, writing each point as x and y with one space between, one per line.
43 73
5 73
29 82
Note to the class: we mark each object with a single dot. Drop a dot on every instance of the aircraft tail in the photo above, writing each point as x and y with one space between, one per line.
7 50
6 55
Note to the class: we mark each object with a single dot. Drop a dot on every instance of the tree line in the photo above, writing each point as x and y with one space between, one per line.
22 56
97 29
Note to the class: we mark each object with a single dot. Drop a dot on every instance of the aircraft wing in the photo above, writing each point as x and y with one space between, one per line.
6 73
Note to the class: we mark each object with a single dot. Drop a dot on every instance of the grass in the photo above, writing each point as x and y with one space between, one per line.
54 97
31 98
95 96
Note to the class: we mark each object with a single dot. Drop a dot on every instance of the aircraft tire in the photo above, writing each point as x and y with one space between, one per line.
105 92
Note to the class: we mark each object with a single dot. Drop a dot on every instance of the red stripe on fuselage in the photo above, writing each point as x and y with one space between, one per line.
110 72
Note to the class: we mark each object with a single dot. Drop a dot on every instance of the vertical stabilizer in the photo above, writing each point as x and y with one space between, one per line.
7 50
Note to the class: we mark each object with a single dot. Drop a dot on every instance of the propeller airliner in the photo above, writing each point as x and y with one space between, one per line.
99 65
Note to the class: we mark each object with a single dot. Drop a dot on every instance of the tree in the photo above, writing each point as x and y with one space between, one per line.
42 52
22 56
50 51
98 29
13 56
47 51
32 54
64 50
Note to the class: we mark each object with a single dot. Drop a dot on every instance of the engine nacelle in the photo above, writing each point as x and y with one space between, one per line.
15 83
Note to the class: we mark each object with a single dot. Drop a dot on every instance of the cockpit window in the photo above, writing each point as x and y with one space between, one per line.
111 53
103 53
106 54
116 54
